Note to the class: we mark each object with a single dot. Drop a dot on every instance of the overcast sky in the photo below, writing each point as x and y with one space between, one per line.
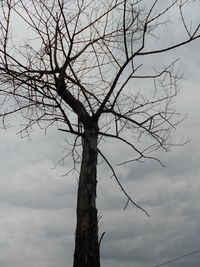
37 203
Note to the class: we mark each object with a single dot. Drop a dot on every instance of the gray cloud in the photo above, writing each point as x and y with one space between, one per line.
37 204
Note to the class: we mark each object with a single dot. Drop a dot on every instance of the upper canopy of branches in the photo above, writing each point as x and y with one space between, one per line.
78 62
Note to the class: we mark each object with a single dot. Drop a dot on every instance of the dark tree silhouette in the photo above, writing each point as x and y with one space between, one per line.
76 64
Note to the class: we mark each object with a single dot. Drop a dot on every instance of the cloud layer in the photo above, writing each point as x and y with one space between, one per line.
37 203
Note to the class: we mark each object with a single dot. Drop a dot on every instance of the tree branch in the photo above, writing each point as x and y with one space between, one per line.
120 185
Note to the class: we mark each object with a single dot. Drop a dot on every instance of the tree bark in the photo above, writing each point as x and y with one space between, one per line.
86 252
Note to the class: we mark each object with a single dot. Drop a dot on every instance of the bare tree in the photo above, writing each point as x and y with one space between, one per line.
76 64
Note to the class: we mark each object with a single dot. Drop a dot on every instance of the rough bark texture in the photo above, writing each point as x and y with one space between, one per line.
86 244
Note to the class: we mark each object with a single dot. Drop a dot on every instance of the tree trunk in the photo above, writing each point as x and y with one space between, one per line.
86 242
